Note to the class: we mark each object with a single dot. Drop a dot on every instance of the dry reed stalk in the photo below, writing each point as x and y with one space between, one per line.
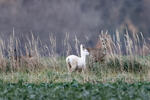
77 43
53 54
67 45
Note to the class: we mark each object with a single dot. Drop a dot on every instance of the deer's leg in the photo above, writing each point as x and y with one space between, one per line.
69 67
74 68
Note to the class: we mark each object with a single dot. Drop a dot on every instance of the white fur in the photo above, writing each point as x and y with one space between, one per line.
77 63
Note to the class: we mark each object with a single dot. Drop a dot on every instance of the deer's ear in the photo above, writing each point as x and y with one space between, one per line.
83 47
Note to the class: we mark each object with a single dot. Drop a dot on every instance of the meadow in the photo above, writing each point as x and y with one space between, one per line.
33 70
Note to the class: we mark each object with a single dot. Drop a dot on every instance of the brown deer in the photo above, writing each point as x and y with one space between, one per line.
98 53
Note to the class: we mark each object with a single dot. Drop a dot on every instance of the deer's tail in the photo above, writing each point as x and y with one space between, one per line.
68 64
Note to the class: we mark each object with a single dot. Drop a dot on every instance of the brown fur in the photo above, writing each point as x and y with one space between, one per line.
97 54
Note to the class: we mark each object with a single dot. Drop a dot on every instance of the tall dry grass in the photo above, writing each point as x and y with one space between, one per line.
124 52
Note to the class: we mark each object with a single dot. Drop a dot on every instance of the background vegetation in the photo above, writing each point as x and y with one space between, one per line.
76 17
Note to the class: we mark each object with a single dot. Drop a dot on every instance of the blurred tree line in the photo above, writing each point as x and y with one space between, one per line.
83 18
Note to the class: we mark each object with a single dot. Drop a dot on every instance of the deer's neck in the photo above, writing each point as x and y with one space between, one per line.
83 58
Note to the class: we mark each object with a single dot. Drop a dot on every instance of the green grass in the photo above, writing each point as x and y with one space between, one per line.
57 76
57 72
109 71
74 91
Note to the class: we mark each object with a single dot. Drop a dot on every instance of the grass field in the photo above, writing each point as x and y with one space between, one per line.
110 71
120 77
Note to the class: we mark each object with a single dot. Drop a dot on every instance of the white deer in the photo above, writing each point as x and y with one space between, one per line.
75 63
